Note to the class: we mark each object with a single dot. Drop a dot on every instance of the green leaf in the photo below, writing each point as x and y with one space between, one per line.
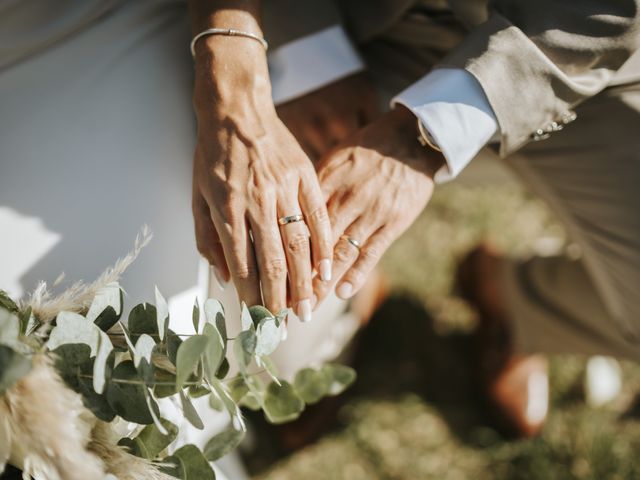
154 440
195 316
311 385
259 313
230 405
189 355
190 412
13 366
106 307
238 388
10 330
214 351
143 319
162 314
268 335
270 367
129 399
168 387
142 353
215 402
244 347
282 403
188 463
223 369
73 328
134 447
222 443
7 303
340 376
173 344
245 318
197 391
214 314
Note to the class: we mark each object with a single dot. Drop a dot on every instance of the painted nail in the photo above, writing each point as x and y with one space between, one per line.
345 290
304 310
325 270
219 278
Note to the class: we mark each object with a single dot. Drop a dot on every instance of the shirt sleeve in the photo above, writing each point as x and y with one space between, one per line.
311 62
455 111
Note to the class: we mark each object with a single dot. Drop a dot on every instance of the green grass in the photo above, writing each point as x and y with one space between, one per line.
412 414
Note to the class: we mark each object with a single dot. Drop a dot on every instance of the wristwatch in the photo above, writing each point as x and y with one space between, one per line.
425 138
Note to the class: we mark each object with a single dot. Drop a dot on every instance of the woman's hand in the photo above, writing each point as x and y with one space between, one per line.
376 184
249 171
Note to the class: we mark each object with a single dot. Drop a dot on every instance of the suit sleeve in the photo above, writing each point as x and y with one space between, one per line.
536 60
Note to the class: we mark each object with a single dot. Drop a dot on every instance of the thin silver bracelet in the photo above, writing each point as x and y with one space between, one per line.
229 32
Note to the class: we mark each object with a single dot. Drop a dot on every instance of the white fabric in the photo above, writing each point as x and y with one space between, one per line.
311 62
453 108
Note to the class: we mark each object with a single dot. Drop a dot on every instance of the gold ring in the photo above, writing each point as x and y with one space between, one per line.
352 241
290 219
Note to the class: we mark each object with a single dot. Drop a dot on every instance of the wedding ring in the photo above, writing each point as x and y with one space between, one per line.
352 241
290 219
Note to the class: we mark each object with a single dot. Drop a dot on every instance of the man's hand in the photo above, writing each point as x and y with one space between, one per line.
376 184
323 118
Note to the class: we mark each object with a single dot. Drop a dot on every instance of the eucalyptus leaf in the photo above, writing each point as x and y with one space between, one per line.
214 352
195 316
231 406
13 366
214 314
134 447
245 318
268 336
259 313
282 403
106 307
9 329
238 388
215 402
73 328
223 369
162 314
143 319
270 368
100 363
223 443
173 344
340 376
143 349
197 391
189 355
7 303
189 464
154 414
154 440
190 412
311 385
244 347
168 385
127 395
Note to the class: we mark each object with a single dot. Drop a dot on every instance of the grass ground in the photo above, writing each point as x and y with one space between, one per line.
412 414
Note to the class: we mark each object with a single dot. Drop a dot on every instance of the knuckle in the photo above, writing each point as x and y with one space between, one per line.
275 269
298 243
370 254
246 272
342 253
319 215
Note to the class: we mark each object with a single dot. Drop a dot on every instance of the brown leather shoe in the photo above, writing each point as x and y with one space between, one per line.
515 387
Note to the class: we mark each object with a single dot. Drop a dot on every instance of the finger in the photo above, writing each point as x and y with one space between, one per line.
295 239
345 255
369 256
272 263
317 219
238 250
207 239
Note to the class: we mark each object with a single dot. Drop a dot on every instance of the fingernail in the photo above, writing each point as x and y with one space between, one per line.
285 331
304 310
345 290
219 278
325 270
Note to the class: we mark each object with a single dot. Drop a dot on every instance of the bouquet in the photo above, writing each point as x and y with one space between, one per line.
73 373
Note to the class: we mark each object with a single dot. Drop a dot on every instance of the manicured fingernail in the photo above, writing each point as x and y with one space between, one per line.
345 290
325 270
219 278
304 310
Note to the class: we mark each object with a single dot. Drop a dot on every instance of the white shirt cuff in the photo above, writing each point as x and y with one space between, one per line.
454 109
311 62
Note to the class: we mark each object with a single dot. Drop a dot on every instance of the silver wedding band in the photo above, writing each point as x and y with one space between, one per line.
352 241
290 219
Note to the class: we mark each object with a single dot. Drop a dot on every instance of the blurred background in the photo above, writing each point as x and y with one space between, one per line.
413 413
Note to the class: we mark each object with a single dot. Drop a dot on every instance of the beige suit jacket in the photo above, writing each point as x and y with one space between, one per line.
536 60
